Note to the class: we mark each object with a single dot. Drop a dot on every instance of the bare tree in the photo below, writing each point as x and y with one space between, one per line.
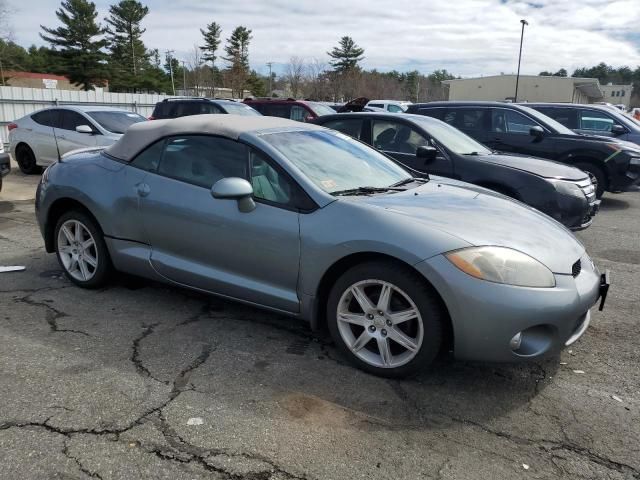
293 75
195 74
6 30
315 81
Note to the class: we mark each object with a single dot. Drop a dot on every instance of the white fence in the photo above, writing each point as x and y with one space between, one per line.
16 102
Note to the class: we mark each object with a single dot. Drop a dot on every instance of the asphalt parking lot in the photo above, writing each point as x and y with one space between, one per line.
139 380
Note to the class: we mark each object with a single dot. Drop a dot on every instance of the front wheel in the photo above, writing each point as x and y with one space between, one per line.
81 250
386 319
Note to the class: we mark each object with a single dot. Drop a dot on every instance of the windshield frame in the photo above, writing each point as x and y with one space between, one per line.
315 106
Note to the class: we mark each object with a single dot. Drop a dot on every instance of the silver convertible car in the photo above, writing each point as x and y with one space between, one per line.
311 223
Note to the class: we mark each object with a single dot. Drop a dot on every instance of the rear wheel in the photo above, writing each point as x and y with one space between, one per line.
597 177
81 250
27 160
385 319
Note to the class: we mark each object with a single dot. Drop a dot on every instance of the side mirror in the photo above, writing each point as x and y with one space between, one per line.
536 131
84 129
427 152
618 129
234 188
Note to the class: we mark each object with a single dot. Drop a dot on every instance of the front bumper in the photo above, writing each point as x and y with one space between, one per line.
5 164
487 316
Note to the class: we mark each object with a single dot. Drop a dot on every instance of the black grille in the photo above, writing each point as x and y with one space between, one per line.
576 268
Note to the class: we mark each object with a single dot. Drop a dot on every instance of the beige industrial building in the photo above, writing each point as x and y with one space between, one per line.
535 88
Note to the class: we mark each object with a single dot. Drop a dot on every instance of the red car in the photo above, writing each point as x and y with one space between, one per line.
299 110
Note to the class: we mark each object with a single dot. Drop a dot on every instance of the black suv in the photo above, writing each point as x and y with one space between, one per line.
515 128
431 146
183 107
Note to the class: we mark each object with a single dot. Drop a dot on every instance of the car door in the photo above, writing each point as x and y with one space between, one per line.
277 110
40 135
510 132
401 140
565 115
209 243
67 137
349 126
472 120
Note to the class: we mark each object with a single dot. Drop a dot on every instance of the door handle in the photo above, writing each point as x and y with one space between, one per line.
143 189
62 137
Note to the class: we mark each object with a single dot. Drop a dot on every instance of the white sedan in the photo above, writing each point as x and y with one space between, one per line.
40 138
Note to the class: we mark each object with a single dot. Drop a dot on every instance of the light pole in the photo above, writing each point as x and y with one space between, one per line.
184 77
269 64
170 60
523 22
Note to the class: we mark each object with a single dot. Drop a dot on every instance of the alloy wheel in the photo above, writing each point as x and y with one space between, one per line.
77 250
380 323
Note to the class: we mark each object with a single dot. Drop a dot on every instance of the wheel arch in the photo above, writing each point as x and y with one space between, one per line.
319 317
595 163
56 210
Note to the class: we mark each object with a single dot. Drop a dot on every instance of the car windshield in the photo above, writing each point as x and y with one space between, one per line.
321 109
116 122
451 138
557 126
240 109
336 162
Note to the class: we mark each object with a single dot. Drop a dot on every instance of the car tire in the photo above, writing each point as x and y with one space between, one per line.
397 334
27 161
596 173
81 250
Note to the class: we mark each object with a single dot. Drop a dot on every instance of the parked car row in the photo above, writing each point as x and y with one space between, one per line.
312 223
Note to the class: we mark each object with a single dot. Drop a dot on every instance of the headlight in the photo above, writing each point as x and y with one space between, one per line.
502 265
635 161
568 188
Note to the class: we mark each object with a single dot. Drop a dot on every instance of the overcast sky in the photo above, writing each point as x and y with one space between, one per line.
467 37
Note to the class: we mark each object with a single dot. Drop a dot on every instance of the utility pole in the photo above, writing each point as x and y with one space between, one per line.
184 77
269 64
523 22
169 60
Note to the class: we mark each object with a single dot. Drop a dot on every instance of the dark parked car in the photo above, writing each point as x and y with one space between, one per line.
299 110
429 145
183 107
592 120
515 128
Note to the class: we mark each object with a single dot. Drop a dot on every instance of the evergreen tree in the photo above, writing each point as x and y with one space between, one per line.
79 43
211 42
346 55
129 57
237 55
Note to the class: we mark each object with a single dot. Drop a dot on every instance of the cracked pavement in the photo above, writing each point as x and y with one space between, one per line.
102 384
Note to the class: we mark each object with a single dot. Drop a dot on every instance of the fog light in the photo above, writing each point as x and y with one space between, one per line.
516 341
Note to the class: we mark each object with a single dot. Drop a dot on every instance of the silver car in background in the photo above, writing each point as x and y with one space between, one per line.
311 223
40 138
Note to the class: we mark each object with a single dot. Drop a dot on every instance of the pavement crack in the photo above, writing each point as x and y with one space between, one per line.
81 467
135 353
52 314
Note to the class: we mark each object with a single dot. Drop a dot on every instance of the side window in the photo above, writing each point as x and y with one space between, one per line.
438 113
149 158
269 183
596 121
48 118
509 121
396 137
394 109
203 160
565 116
298 113
466 118
283 111
351 127
71 120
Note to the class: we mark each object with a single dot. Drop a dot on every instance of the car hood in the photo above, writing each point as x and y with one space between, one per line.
581 137
537 166
482 217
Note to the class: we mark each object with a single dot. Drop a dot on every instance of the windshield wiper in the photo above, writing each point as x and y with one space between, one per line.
408 180
365 190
